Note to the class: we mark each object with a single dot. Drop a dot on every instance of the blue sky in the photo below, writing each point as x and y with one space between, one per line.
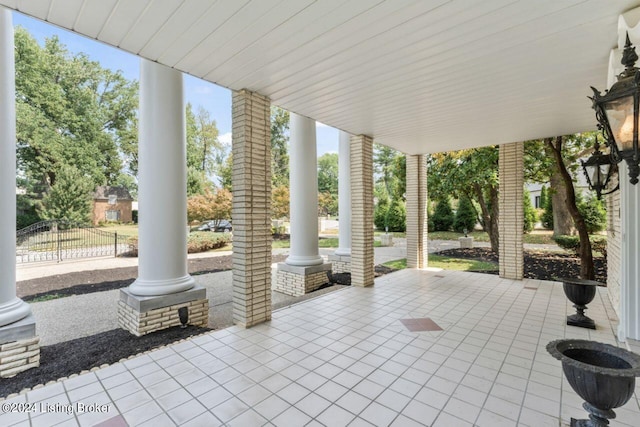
215 99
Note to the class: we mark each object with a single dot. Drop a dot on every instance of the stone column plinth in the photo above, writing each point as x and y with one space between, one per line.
362 261
511 221
162 188
304 253
19 348
251 182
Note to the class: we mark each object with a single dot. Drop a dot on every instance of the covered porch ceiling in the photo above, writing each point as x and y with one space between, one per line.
418 75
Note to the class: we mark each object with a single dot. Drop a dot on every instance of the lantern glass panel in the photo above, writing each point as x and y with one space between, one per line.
620 116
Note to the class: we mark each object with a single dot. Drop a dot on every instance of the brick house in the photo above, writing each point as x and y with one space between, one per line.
111 204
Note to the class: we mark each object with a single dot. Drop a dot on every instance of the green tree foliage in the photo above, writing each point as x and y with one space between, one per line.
593 211
547 215
279 147
466 217
70 112
530 216
472 173
69 197
225 172
390 169
390 215
26 213
205 153
443 216
328 173
381 210
543 196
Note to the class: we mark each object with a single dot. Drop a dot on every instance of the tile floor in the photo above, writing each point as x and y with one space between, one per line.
346 359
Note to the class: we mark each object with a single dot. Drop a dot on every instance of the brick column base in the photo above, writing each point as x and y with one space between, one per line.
19 347
143 315
340 263
297 281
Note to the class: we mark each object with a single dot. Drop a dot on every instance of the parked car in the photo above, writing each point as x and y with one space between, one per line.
222 226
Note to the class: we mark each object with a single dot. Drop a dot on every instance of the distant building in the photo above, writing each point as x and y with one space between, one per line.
112 204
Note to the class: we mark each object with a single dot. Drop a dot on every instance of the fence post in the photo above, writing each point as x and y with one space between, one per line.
58 243
116 245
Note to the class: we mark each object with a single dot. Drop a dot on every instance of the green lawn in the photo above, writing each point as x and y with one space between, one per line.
538 237
323 242
448 263
130 230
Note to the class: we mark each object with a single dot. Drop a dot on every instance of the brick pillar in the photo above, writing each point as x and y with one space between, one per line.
417 252
251 208
362 264
511 221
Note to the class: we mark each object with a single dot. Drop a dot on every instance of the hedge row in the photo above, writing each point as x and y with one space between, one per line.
198 241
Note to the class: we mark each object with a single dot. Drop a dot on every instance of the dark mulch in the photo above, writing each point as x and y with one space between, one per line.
85 282
537 264
72 357
345 278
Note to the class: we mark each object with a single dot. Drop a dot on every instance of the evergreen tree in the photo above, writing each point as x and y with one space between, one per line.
530 216
443 216
547 215
69 198
465 216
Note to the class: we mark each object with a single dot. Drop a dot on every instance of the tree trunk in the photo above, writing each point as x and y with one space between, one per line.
562 219
587 270
489 215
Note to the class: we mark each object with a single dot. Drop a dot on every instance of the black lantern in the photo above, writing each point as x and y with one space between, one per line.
617 113
599 169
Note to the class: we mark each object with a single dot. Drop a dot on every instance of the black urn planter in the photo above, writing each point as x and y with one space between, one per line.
580 292
601 374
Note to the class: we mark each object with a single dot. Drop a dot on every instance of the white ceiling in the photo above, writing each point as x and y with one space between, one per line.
417 75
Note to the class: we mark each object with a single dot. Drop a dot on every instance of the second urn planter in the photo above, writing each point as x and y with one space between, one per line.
580 292
601 374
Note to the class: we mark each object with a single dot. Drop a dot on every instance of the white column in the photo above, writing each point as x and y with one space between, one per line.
629 326
162 184
12 308
344 194
304 193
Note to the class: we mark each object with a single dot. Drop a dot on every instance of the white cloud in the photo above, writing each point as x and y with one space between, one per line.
225 138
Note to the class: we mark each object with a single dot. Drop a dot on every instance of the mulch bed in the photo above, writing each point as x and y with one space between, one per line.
72 357
540 265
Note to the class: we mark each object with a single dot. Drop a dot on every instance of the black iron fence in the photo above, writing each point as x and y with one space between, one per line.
57 240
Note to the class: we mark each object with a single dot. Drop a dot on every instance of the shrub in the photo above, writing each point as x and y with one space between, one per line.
202 241
547 216
198 241
443 216
530 216
390 214
543 196
572 243
465 216
594 213
397 216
